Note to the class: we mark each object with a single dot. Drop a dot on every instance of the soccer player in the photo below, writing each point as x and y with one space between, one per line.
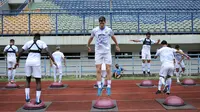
102 36
118 71
33 64
146 52
167 68
11 52
59 58
179 63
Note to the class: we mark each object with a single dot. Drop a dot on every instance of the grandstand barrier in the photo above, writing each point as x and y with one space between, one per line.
82 23
86 67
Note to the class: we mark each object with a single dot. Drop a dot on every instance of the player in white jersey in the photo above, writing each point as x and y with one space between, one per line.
33 64
102 35
179 63
146 52
59 58
167 68
11 52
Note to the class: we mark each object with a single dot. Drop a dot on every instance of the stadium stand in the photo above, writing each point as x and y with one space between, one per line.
128 16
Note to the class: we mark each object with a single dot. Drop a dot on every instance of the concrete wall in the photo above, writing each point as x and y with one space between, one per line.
122 39
16 1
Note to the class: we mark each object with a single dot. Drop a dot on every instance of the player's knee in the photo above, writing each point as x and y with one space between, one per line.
161 77
183 69
99 70
143 61
177 69
148 61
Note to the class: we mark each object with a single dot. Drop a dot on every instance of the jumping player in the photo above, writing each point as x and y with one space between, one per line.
59 58
33 64
11 52
167 68
179 63
146 51
102 36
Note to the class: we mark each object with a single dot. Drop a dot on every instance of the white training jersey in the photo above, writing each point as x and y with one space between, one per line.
178 56
166 55
58 57
33 59
11 56
147 46
102 39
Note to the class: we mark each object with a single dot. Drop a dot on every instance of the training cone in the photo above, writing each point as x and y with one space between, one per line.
189 82
174 101
33 106
104 103
146 83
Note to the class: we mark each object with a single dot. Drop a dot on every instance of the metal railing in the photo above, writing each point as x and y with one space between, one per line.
122 22
84 66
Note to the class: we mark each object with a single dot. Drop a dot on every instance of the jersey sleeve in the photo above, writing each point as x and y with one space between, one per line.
174 50
16 49
5 49
111 33
25 47
153 41
44 45
141 40
158 52
62 55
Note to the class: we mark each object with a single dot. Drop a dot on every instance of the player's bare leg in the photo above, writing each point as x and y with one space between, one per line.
143 67
38 90
9 75
148 67
98 72
177 75
109 77
27 89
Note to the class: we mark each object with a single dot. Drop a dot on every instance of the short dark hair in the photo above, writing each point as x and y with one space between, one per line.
102 18
148 33
12 40
164 42
37 36
177 47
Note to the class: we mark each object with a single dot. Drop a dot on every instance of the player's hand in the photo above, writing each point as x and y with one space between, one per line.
89 49
117 48
179 63
65 65
188 57
130 40
16 65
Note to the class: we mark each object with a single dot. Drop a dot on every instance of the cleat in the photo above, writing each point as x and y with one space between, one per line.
168 93
144 72
158 92
27 100
99 92
108 90
96 85
37 103
148 73
166 89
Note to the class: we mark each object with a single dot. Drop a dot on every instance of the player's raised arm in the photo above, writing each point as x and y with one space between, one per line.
180 52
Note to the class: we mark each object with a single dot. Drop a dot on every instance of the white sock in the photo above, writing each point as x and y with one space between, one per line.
148 66
108 83
9 75
99 84
159 85
13 74
169 82
60 77
55 73
38 93
27 92
143 66
177 76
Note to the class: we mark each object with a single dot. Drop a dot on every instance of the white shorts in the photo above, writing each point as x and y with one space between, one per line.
59 70
11 64
101 58
146 55
167 69
34 71
181 65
